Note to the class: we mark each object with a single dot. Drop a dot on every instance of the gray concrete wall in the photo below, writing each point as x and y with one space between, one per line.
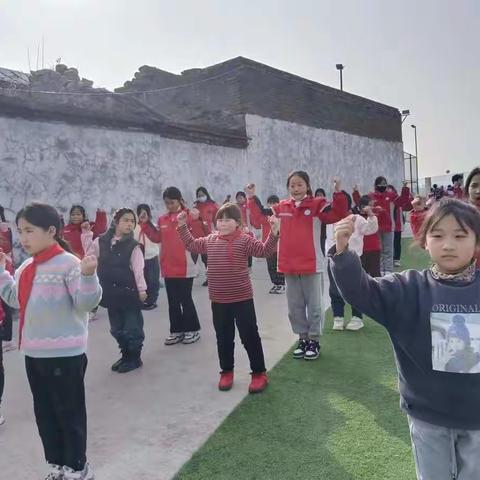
65 164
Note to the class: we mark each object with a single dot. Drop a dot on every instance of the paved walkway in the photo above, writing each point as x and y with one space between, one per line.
145 424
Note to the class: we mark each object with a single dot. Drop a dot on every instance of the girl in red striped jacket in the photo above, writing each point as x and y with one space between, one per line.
178 269
230 288
301 259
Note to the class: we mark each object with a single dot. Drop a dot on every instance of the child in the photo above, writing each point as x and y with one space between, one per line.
207 209
54 291
259 216
120 270
230 289
441 405
372 246
152 262
72 232
363 227
405 205
417 216
5 334
387 200
178 270
320 193
301 260
472 187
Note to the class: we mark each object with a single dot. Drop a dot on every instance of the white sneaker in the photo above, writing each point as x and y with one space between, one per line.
191 337
2 420
174 338
55 473
355 324
281 289
338 323
85 474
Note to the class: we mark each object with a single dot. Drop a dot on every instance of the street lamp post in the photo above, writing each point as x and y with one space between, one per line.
416 151
340 68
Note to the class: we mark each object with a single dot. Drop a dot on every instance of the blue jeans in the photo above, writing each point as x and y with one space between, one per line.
126 326
443 453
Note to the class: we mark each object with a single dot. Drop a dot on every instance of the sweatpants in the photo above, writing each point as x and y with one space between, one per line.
306 309
276 277
337 301
225 316
181 309
151 272
397 246
58 390
126 326
442 453
386 257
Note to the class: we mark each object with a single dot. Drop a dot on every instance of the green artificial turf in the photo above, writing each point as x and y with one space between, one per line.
336 418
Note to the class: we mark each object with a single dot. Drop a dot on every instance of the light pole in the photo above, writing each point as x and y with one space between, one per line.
405 114
340 68
416 151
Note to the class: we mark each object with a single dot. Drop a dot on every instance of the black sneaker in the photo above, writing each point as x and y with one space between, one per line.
299 352
117 364
130 364
312 351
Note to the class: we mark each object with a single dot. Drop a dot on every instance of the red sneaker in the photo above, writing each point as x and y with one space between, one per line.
259 382
226 381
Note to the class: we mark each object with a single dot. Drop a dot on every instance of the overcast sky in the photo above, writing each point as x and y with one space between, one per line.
423 55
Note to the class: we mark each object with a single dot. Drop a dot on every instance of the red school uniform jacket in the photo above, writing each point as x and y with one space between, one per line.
387 201
175 260
72 233
259 217
207 210
9 268
299 248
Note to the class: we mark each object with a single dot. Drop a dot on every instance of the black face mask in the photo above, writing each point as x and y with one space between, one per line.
381 188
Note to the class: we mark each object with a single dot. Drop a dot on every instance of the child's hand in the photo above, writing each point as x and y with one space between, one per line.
368 211
250 190
88 266
195 213
142 296
274 224
3 259
143 218
355 188
182 218
86 227
343 232
336 184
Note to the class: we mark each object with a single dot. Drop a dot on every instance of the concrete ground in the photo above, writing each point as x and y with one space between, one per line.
145 424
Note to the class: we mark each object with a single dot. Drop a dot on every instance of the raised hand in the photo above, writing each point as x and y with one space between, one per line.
86 227
182 218
355 188
336 184
88 266
274 224
250 190
368 210
143 217
343 232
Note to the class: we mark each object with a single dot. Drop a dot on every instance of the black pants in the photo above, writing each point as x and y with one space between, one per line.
181 309
397 245
371 263
276 277
204 259
225 315
337 301
152 277
2 372
58 390
126 326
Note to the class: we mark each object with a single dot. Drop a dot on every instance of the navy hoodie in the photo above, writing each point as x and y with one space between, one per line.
434 326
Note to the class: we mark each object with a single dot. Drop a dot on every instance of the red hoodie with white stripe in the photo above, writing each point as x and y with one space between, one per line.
175 260
299 247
